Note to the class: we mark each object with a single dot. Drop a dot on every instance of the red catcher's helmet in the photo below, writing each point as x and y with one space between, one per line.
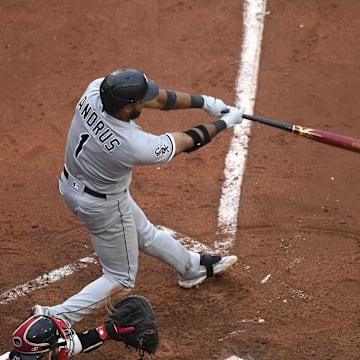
35 337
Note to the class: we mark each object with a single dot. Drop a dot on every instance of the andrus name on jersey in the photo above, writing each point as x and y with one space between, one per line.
97 127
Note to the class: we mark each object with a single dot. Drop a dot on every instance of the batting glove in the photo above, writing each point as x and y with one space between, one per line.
214 107
234 116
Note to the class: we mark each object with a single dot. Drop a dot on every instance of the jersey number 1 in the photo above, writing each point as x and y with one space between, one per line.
83 139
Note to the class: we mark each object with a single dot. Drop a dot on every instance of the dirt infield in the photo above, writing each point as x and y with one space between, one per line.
295 293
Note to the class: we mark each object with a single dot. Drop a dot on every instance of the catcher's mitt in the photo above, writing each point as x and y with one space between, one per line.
134 311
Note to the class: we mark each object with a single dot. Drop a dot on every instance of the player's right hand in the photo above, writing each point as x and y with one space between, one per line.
234 116
214 107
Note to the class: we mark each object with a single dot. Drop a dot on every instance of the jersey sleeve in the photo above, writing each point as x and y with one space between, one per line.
153 150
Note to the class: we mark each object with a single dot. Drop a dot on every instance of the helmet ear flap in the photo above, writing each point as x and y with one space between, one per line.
110 104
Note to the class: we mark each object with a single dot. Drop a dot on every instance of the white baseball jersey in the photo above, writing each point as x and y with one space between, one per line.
102 150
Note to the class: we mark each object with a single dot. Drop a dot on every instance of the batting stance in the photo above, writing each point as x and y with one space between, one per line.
132 321
104 143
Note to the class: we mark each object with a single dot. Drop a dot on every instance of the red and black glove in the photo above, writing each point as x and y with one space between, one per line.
132 321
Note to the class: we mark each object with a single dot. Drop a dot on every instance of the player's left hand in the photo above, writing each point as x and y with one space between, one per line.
234 116
132 320
214 107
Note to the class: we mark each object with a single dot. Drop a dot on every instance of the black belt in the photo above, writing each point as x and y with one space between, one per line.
86 189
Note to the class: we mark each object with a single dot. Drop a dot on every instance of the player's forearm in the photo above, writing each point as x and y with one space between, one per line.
87 341
197 137
172 100
200 135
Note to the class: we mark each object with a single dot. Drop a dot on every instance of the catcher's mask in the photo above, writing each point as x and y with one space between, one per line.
35 338
126 86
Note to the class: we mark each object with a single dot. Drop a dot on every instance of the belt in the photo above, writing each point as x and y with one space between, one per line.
86 189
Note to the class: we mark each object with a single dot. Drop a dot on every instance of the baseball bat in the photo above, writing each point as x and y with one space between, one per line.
322 136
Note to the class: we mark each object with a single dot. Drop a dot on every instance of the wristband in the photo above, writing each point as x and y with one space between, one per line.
170 101
90 340
196 101
220 125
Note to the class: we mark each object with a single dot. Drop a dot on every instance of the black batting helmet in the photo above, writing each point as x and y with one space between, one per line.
126 86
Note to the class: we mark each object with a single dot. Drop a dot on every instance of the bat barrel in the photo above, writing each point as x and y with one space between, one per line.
322 136
329 138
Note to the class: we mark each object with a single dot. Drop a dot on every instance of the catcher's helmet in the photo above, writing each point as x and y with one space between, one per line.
35 337
126 86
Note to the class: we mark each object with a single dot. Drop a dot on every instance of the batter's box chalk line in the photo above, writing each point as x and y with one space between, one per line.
55 275
45 280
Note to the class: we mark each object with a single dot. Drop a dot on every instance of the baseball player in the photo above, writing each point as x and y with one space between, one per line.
52 338
132 321
104 144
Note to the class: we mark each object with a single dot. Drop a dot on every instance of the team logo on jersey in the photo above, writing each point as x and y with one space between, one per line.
161 150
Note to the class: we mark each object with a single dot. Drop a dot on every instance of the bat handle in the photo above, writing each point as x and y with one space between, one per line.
277 124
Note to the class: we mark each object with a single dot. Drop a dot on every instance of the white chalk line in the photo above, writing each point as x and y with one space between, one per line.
235 163
44 280
246 85
60 273
253 16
